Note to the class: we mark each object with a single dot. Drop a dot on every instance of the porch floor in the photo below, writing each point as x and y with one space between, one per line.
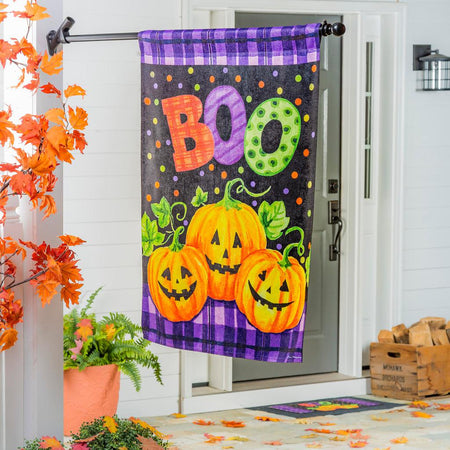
375 429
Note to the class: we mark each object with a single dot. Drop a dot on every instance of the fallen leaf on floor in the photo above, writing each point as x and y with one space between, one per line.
213 439
326 424
379 419
228 446
237 438
360 437
148 443
314 445
338 438
319 430
309 436
421 414
392 411
203 422
167 436
442 406
303 421
233 424
419 404
400 440
348 431
267 419
357 444
178 415
274 443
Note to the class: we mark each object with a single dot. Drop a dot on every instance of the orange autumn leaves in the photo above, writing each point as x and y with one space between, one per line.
38 143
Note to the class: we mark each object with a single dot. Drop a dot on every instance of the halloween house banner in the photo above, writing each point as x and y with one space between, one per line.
229 129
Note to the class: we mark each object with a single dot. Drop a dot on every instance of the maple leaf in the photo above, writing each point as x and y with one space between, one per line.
6 51
421 414
51 442
442 406
379 419
110 331
32 11
178 415
46 289
6 126
338 438
419 404
23 183
348 431
84 329
71 240
319 430
148 443
3 6
78 446
400 440
274 443
41 163
303 421
55 115
268 419
109 423
49 88
70 293
78 118
77 349
309 436
57 138
233 424
237 438
32 129
203 422
213 439
8 338
74 89
357 444
53 65
79 140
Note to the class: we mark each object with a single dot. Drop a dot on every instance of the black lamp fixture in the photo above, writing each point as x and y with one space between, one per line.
434 69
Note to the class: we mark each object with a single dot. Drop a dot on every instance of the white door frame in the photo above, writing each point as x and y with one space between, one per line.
371 241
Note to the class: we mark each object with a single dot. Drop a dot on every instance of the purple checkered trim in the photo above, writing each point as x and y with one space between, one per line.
220 328
268 46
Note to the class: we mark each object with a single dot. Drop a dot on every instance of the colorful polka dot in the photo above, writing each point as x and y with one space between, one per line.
148 197
314 68
306 153
313 134
169 78
156 102
191 70
223 175
147 101
298 78
254 203
240 170
212 79
279 246
185 223
149 132
149 156
176 193
261 84
298 101
237 78
309 245
275 73
180 85
302 260
152 74
158 144
248 99
202 173
155 120
309 214
157 184
225 70
168 142
299 201
162 168
216 191
252 184
285 191
311 87
279 90
306 117
309 184
197 87
155 86
294 175
175 178
211 167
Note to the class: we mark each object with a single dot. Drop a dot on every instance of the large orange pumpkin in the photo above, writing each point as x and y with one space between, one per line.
225 232
178 279
270 290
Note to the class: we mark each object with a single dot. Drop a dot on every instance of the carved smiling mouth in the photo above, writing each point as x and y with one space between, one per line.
264 302
222 269
177 296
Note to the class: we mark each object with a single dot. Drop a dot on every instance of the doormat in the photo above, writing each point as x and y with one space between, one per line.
340 405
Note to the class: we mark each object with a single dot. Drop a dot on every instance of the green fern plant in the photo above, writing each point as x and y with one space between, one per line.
113 339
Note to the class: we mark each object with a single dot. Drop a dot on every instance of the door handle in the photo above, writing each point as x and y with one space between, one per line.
334 219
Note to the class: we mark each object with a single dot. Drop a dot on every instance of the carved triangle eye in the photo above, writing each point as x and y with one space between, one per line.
284 287
166 274
237 241
262 275
185 272
215 240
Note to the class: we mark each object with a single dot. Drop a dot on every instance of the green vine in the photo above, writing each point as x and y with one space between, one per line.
229 202
298 245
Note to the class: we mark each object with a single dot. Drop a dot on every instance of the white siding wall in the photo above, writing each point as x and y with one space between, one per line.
426 255
102 188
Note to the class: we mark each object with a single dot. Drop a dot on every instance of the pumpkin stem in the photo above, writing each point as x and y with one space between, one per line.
229 202
299 245
176 245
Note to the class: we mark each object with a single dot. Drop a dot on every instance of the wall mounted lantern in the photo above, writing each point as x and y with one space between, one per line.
434 69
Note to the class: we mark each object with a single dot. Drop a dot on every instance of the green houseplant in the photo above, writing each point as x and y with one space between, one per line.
95 351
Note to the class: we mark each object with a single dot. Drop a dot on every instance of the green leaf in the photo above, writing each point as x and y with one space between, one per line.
150 235
273 218
200 197
162 212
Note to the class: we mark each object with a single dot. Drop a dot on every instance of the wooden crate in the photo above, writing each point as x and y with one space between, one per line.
408 372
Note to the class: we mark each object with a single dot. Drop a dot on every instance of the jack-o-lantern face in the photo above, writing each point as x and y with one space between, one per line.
178 281
225 236
271 296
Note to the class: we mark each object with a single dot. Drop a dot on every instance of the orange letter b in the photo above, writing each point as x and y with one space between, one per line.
191 108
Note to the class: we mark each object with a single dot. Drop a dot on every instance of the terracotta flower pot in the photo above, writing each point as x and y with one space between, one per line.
89 394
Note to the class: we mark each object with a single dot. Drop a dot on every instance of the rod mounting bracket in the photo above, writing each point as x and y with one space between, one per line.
57 37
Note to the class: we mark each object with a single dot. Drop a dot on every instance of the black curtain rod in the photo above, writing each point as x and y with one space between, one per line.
62 35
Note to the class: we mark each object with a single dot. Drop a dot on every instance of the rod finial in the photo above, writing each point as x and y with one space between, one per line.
57 37
336 29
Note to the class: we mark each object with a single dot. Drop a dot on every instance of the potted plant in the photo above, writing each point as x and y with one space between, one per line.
96 350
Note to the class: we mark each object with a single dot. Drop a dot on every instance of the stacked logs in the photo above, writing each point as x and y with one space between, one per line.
427 331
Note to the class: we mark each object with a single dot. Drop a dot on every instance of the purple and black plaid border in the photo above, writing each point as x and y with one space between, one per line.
222 329
269 46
